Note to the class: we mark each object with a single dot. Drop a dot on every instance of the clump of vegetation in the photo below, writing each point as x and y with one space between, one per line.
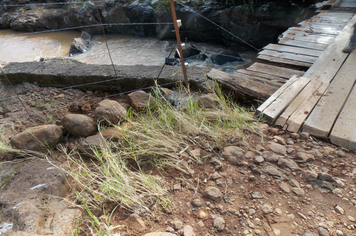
131 171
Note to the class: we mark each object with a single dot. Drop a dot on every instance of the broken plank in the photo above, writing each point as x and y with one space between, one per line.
290 56
304 44
261 75
284 61
344 131
275 70
244 84
332 58
297 50
272 112
322 118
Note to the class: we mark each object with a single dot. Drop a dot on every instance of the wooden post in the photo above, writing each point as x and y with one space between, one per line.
176 28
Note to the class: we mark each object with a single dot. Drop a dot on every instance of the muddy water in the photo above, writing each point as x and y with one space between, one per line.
124 49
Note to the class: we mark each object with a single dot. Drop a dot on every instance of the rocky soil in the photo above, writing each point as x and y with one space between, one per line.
279 183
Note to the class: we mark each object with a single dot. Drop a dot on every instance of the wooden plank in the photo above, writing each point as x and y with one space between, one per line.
274 96
272 78
322 118
293 117
284 61
290 56
275 70
332 58
272 112
309 38
296 120
247 85
297 50
318 30
303 44
344 131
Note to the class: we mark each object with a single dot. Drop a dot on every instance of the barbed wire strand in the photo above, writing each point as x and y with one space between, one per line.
47 3
179 2
91 100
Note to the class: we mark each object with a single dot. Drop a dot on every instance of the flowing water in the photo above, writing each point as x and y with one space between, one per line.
124 49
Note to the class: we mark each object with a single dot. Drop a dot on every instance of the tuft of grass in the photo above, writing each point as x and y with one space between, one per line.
158 141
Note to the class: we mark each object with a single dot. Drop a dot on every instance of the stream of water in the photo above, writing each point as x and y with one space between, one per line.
124 49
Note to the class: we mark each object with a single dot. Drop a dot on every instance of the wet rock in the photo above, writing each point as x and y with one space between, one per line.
219 223
140 100
177 224
339 210
267 209
208 101
213 193
277 148
86 36
272 170
188 231
225 57
303 157
309 176
287 163
79 125
39 137
110 112
78 45
189 51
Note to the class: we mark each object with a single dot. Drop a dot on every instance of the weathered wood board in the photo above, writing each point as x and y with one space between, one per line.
290 56
282 100
284 61
273 78
245 84
297 50
322 118
303 44
332 58
325 39
275 70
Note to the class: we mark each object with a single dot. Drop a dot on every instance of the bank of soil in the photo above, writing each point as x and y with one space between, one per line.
278 183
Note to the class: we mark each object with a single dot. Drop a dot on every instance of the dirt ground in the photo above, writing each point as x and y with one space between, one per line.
277 184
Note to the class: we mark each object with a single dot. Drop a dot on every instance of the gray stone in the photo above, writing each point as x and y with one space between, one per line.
170 229
285 187
259 160
110 112
339 184
280 140
272 170
326 177
339 232
94 142
309 176
38 137
233 151
188 231
215 176
219 223
79 125
277 148
197 203
298 191
177 224
308 233
257 195
273 158
339 210
322 231
267 209
213 193
287 163
303 157
294 183
304 135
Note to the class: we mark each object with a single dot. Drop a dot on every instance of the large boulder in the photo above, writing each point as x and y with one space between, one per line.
38 137
79 125
79 45
225 57
110 112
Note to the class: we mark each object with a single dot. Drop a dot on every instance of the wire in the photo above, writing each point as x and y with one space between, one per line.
179 2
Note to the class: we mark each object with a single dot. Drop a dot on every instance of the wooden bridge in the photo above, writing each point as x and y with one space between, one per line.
306 78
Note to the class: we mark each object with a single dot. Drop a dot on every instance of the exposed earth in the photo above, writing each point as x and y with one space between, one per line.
277 183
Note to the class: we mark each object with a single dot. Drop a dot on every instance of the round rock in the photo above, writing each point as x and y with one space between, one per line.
79 125
110 112
219 223
267 209
213 193
38 137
